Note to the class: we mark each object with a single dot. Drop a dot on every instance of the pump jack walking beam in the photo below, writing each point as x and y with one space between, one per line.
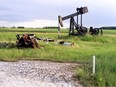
73 24
80 11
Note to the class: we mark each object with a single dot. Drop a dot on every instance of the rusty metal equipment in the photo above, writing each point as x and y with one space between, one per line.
74 25
95 31
26 41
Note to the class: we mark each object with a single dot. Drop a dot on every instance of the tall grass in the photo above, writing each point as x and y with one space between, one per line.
103 47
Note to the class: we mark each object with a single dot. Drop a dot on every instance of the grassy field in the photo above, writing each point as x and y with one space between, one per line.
103 47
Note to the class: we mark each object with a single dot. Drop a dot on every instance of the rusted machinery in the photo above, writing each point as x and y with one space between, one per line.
80 30
26 41
95 31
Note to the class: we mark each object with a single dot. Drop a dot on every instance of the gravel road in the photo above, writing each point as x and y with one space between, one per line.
37 74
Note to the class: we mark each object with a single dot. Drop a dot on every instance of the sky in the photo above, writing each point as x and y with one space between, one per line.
41 13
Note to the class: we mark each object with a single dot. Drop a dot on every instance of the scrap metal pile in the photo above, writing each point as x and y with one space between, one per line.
26 41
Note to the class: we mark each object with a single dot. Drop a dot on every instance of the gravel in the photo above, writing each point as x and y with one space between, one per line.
37 74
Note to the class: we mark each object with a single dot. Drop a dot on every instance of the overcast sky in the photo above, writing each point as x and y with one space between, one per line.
39 13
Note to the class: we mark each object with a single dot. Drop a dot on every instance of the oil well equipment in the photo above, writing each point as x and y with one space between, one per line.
75 28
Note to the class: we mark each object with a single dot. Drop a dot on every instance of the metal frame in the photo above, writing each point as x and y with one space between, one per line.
73 24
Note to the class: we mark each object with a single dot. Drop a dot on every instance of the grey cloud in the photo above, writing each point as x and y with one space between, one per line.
26 10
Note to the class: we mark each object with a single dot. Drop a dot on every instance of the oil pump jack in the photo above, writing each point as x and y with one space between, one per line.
80 30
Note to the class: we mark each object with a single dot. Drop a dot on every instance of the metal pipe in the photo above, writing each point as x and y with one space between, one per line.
81 21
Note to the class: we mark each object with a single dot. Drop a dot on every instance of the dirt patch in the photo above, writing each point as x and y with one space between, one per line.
37 74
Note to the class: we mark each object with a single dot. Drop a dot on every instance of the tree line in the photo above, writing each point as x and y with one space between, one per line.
109 28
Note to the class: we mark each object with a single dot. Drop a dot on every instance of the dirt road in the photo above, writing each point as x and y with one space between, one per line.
37 74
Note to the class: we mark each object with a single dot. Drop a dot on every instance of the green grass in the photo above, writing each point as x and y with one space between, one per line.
112 32
103 47
32 30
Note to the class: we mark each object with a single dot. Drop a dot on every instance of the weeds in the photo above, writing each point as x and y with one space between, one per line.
103 47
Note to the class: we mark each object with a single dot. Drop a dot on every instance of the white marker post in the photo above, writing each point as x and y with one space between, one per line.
93 64
47 41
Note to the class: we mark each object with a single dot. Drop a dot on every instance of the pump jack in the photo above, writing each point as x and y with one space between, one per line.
74 25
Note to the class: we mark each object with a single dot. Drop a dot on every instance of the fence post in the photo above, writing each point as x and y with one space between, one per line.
93 64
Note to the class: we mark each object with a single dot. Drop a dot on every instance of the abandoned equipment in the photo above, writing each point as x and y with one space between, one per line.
26 41
74 25
95 31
